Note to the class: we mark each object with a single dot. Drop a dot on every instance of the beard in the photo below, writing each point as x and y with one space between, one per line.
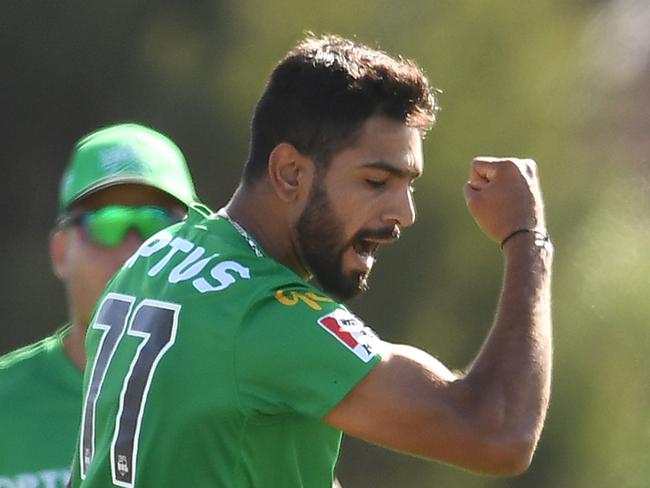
322 245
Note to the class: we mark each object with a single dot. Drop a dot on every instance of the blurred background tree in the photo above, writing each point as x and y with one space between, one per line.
564 82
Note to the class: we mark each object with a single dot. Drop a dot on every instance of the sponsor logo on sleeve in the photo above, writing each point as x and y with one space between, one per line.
351 332
311 299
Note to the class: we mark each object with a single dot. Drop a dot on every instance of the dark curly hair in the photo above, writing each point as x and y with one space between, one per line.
322 92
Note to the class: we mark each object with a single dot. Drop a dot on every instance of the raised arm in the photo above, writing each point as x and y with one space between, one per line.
488 420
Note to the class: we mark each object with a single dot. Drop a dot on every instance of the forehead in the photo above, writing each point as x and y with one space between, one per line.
383 142
128 194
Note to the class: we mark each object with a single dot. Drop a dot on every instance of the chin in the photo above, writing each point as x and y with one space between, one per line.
347 287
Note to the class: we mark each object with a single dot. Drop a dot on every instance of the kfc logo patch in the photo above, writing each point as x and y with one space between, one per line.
351 332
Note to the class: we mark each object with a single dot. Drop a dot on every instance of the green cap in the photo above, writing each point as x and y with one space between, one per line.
125 153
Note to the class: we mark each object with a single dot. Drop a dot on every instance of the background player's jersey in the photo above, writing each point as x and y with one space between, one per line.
210 364
40 393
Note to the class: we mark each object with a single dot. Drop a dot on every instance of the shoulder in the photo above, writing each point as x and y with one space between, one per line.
21 364
299 348
296 298
299 312
201 258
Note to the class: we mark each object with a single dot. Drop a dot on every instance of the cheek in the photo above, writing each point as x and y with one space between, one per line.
94 266
350 215
91 274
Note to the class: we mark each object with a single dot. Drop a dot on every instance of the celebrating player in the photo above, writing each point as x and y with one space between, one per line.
214 362
123 184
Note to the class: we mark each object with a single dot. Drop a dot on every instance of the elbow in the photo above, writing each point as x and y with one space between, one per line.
505 449
504 441
493 458
488 452
508 459
500 448
519 462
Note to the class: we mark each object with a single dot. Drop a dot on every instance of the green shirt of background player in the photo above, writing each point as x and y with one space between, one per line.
215 362
123 184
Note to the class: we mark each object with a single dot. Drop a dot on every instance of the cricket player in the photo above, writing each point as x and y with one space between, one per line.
123 184
214 360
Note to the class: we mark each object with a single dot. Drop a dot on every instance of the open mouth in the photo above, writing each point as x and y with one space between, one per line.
365 247
367 243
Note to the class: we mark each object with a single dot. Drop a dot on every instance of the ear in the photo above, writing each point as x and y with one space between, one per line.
290 172
59 253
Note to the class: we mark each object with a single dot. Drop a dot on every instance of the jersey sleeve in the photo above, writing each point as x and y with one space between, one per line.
301 352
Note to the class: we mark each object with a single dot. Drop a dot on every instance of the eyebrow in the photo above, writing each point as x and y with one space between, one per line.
393 170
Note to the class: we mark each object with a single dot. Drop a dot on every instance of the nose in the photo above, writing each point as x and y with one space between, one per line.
401 210
131 243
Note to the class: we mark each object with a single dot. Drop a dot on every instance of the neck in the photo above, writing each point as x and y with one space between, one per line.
258 212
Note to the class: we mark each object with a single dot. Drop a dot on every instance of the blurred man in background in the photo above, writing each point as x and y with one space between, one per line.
216 363
123 184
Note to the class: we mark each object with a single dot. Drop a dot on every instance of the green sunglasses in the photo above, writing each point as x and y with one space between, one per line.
108 226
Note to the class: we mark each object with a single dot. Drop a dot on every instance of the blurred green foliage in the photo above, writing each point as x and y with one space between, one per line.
516 79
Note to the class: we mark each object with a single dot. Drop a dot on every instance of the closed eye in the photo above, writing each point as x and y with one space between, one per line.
376 183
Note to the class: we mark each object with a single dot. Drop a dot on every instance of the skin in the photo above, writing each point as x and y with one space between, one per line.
340 252
489 419
84 268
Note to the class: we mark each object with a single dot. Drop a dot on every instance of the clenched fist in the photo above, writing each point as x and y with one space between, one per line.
503 195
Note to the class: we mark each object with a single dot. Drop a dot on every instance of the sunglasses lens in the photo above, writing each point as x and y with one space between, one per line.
151 220
108 226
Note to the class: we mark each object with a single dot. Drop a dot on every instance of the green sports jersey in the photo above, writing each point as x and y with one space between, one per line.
212 365
40 405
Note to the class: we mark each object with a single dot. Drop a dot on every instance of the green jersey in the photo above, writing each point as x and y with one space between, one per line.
40 400
211 364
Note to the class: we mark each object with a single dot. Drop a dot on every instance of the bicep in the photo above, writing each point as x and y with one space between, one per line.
411 402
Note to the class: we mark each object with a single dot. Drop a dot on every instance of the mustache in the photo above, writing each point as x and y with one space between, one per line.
385 233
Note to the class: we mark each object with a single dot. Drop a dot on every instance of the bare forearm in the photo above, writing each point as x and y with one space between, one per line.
512 373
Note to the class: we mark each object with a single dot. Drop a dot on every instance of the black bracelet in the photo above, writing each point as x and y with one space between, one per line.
541 238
